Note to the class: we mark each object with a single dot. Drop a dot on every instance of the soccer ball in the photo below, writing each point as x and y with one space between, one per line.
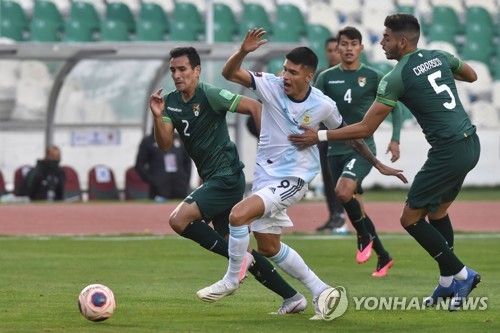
96 302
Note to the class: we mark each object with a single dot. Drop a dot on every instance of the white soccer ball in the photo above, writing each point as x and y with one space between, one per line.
96 302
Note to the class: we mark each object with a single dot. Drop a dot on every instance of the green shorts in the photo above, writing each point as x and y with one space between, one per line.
350 165
441 177
216 197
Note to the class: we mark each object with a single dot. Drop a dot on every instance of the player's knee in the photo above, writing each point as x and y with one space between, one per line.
236 217
268 250
177 224
342 195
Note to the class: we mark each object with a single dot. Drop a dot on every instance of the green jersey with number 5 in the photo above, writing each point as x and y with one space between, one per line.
201 124
424 82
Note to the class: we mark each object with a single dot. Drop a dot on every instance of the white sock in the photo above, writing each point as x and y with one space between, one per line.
445 281
239 238
462 275
292 263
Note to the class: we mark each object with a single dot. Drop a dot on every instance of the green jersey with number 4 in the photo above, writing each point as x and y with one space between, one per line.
201 124
424 82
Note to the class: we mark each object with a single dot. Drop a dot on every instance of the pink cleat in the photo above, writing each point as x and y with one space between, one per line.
364 254
247 263
383 267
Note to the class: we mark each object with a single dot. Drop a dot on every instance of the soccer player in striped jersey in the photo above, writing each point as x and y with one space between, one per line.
282 170
424 80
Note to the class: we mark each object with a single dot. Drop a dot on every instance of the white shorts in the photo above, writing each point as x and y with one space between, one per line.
278 194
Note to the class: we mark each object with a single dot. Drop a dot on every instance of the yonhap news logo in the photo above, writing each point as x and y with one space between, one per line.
334 302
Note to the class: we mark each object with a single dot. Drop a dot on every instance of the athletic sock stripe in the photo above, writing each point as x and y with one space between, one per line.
282 254
238 232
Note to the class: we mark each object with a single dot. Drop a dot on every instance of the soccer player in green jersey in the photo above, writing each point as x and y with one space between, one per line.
424 80
198 112
353 86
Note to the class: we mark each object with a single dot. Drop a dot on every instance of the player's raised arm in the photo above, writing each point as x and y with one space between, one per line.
163 131
232 70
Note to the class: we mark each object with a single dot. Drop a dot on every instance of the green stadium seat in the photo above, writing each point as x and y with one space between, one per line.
183 31
479 23
114 31
86 14
13 12
254 16
12 30
478 49
316 35
446 16
383 67
189 15
292 16
76 31
152 12
441 32
150 31
225 24
284 31
48 12
405 9
275 66
118 11
44 31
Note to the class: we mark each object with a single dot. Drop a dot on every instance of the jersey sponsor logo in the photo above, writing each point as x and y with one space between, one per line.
226 94
381 87
336 82
196 109
174 109
306 118
361 81
427 66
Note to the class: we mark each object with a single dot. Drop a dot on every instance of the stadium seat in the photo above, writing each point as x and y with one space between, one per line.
118 11
2 184
447 16
484 114
150 31
406 9
441 32
76 31
153 12
86 14
254 16
72 190
19 175
316 36
115 31
383 67
225 25
44 31
188 14
479 24
275 66
478 49
135 187
292 15
9 29
46 11
183 31
14 13
102 184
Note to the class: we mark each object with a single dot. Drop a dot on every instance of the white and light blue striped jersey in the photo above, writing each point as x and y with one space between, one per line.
281 117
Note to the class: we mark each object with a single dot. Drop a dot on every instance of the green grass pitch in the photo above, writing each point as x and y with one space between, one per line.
155 280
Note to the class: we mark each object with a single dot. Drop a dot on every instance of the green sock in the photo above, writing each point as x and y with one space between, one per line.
269 277
377 244
353 210
203 234
435 244
444 226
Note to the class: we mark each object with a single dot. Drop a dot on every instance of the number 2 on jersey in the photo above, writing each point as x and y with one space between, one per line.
184 121
439 89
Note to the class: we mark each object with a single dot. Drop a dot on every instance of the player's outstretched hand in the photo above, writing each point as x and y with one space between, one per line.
156 103
393 148
306 139
388 171
252 40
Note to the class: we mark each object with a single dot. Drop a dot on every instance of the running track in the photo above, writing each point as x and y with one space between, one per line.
151 218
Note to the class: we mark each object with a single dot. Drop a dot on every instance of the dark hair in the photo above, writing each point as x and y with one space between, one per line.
330 40
190 52
405 24
303 56
351 33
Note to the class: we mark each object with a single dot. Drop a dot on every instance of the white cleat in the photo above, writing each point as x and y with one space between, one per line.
292 305
216 291
317 312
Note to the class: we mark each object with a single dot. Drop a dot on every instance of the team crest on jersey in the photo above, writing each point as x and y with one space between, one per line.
306 118
196 109
361 81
